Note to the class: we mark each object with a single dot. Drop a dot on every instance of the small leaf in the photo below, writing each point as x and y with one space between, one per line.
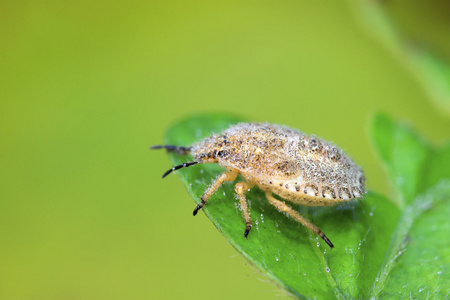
404 155
424 47
438 166
417 262
434 72
418 265
287 252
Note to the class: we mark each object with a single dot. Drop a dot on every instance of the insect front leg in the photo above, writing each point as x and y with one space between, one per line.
282 207
240 189
226 176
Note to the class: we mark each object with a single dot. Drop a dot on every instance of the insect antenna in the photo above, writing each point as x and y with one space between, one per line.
171 148
187 164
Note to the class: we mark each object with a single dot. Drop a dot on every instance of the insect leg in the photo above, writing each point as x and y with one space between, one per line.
170 148
240 189
282 207
226 176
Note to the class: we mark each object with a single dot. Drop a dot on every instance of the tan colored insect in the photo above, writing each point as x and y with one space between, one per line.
299 168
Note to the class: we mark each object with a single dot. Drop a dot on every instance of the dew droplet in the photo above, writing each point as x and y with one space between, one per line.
439 272
371 214
304 274
376 279
276 258
201 171
327 270
223 193
318 245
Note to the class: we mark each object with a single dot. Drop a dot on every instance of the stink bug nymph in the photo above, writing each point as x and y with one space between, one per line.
299 168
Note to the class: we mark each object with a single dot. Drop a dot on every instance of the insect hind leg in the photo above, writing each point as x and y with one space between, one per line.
283 207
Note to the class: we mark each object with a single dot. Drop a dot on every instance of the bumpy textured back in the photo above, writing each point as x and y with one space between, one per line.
265 153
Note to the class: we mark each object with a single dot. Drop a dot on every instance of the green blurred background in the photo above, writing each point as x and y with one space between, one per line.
87 86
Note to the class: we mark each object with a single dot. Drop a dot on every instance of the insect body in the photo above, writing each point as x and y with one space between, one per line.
299 168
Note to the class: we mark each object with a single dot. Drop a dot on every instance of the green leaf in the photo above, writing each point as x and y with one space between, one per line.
438 167
382 250
421 45
435 75
404 155
417 262
282 248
